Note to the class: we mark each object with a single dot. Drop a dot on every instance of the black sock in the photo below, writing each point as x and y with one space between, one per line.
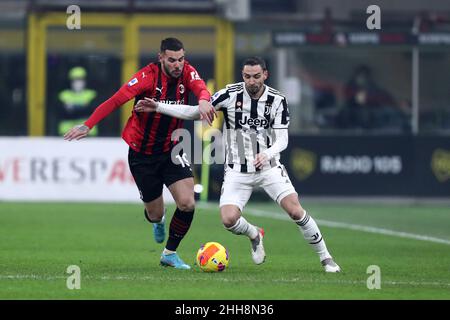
179 226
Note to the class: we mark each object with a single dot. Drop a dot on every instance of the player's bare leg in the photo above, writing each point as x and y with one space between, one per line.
154 213
230 214
154 209
183 194
310 230
234 222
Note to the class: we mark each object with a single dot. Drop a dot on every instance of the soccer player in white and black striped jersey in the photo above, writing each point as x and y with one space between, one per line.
255 132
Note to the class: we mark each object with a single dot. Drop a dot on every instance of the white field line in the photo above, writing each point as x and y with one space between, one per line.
237 280
342 225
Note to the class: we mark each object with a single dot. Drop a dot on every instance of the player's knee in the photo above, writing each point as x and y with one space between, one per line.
229 221
293 208
295 211
230 214
186 204
229 218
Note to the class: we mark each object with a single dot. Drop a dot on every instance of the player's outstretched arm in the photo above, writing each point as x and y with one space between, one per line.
180 111
76 133
80 131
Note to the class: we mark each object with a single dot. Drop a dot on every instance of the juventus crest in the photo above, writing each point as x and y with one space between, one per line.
267 108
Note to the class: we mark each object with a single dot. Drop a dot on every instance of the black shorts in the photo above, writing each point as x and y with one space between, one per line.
151 172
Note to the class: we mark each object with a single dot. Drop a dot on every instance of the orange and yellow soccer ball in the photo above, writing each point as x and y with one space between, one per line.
212 257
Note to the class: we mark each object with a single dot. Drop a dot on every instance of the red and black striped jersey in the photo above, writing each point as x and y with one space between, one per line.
151 133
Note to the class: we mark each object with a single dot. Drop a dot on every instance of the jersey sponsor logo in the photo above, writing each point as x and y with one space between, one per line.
253 122
133 82
171 101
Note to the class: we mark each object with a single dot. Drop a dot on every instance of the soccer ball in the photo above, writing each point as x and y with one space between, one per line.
212 257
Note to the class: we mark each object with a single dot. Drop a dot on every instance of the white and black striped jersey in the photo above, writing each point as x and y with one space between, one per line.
249 124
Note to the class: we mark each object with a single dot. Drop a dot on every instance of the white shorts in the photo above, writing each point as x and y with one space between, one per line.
237 187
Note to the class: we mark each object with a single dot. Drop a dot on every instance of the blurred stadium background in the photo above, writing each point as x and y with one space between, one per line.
370 109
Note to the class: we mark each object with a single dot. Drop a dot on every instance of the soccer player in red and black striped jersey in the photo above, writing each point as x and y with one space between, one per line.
149 136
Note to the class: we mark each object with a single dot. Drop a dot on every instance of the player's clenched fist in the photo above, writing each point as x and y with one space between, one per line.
77 132
260 160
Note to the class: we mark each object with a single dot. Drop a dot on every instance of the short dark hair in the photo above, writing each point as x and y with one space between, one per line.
254 61
171 44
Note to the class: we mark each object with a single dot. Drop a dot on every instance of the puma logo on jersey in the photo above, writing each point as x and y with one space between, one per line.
159 89
253 122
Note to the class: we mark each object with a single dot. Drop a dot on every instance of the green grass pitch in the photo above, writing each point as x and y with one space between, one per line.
113 246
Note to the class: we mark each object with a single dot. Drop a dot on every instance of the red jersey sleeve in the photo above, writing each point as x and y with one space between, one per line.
196 84
118 99
140 82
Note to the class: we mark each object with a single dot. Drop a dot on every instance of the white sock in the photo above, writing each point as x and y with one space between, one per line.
243 227
312 234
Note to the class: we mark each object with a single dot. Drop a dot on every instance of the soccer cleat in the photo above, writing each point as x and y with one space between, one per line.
330 266
258 254
173 260
159 232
